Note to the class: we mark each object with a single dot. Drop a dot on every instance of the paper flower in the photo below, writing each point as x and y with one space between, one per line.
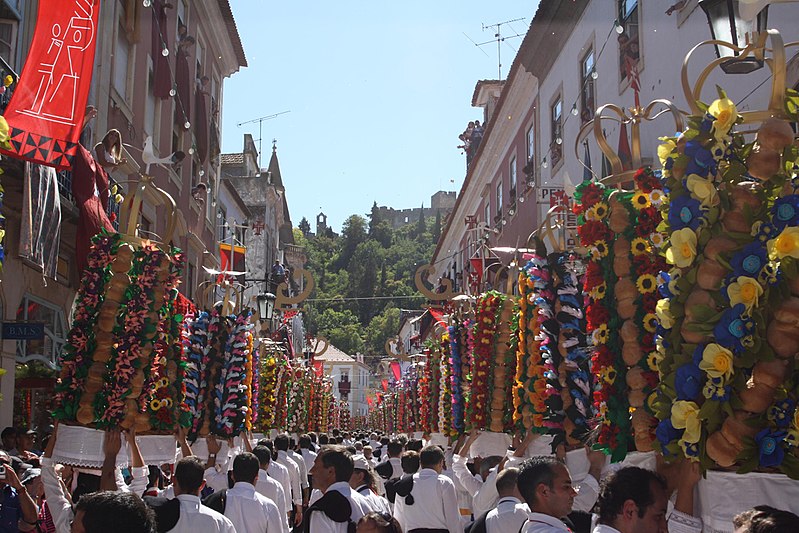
685 212
785 245
717 362
703 190
769 445
745 291
685 415
725 114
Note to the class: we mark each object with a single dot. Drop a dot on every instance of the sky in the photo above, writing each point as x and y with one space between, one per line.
378 93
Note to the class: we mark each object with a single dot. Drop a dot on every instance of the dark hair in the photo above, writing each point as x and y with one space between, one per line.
323 439
282 442
263 454
336 432
384 522
628 483
368 478
534 472
121 512
766 519
384 441
340 459
415 445
305 441
410 462
430 456
246 467
312 436
488 463
507 479
10 430
394 448
353 450
86 483
190 473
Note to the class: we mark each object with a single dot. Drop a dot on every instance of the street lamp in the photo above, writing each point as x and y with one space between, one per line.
727 25
266 305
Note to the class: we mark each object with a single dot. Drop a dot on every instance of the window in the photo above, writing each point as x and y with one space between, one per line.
531 166
555 127
512 173
152 106
8 37
499 198
587 105
487 212
182 15
145 226
531 142
200 57
121 64
188 287
221 222
48 349
629 46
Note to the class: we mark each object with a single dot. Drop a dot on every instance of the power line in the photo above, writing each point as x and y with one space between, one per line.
354 299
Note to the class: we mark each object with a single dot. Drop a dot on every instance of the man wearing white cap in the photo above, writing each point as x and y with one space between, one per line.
363 482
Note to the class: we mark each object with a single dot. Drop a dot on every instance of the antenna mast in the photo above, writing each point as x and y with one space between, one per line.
260 121
498 38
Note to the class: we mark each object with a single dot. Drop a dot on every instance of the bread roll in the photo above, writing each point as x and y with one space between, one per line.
763 163
735 428
710 274
774 135
631 353
756 397
788 312
636 379
771 373
721 450
783 339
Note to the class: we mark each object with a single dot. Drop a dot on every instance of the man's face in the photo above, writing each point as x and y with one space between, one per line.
367 452
562 493
323 476
25 442
654 519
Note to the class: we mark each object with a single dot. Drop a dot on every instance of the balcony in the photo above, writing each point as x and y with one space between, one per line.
65 189
5 97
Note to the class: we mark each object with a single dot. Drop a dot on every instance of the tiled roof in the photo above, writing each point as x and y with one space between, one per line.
334 355
233 32
232 159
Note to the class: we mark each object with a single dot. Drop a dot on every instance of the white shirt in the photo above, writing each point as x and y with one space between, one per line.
484 493
543 523
508 516
251 512
294 476
195 517
300 460
280 474
602 528
396 464
270 488
320 523
376 503
435 504
309 458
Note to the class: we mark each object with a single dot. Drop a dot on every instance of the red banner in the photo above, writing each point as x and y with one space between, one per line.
45 115
384 383
369 401
395 369
319 368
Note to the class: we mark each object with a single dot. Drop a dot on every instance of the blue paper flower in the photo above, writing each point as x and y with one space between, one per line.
667 433
770 448
700 160
689 382
749 260
734 330
781 413
785 212
685 212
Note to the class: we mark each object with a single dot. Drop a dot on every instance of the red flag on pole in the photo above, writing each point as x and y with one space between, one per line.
395 369
369 401
319 367
385 385
45 115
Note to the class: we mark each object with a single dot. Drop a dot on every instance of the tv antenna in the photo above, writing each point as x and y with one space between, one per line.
499 39
260 121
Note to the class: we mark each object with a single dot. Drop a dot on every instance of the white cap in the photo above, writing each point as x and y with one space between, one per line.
360 462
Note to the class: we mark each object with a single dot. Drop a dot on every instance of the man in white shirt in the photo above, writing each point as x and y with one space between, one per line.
250 511
546 485
363 482
427 501
281 445
391 468
368 454
305 450
635 500
510 513
339 505
481 486
268 486
187 482
300 460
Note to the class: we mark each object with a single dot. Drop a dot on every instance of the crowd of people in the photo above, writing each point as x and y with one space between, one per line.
348 482
470 139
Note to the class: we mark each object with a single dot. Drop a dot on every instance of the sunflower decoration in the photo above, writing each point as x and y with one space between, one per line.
639 246
599 250
646 284
641 200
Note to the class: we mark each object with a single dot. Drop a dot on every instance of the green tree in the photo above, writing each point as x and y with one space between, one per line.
374 218
436 231
364 267
383 233
305 226
353 233
381 328
421 227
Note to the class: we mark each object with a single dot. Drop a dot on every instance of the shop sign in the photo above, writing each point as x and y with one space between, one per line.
23 331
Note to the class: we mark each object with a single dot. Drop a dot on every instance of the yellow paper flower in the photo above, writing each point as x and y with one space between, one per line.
703 190
785 245
717 361
598 292
601 334
744 290
685 415
683 248
639 246
664 313
665 149
646 284
652 360
3 130
650 322
725 113
641 200
599 250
